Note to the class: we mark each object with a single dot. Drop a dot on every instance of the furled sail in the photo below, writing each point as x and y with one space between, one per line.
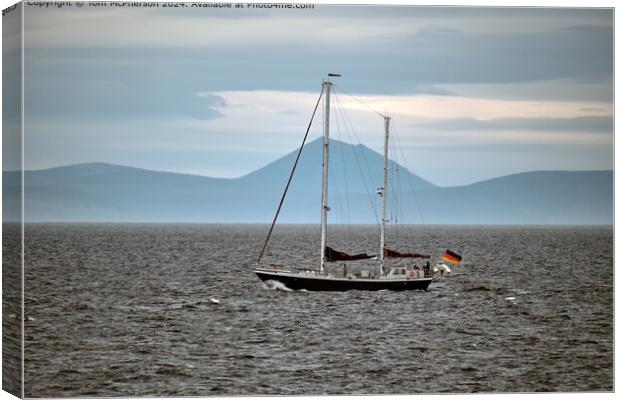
395 254
334 255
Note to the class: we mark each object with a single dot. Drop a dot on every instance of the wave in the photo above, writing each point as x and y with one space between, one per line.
277 285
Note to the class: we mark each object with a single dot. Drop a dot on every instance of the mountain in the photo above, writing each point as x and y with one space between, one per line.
540 197
359 164
98 192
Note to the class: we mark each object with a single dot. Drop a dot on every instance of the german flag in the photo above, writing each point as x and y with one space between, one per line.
451 257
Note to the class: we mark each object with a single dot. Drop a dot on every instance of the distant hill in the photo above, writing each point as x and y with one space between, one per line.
99 192
359 164
539 197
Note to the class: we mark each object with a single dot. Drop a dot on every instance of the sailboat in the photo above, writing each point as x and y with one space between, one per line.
396 278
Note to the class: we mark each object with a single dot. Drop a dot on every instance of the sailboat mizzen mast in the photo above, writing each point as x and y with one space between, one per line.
383 191
324 207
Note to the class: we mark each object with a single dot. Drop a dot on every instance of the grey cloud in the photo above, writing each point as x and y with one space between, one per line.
213 100
433 90
599 91
120 87
442 12
160 82
584 53
382 65
359 11
580 124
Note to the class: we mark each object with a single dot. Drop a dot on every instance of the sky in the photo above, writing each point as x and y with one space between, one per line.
473 93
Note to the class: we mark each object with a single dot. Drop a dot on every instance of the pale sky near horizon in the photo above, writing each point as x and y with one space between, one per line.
474 93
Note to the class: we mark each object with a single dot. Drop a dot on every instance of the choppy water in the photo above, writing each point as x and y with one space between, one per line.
124 310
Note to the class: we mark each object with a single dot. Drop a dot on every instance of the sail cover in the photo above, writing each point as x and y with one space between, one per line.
395 254
334 255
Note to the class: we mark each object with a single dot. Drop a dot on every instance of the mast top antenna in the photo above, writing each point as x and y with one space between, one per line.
335 75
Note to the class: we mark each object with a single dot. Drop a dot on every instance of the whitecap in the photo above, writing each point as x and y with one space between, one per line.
277 285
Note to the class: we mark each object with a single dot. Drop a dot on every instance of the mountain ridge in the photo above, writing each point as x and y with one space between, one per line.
104 192
130 167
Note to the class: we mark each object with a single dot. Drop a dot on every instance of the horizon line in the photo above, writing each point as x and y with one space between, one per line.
291 223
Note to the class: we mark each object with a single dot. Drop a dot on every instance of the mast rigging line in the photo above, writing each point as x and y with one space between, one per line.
344 173
361 102
290 178
395 134
409 179
349 128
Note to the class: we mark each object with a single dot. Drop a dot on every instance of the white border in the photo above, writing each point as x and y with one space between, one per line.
482 3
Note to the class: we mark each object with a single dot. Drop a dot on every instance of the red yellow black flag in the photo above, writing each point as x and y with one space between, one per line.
452 257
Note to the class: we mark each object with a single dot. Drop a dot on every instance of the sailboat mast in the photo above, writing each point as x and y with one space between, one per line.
386 120
324 207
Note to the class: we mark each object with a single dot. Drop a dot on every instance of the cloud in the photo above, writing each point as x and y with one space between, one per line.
386 54
278 119
75 88
555 89
198 27
451 107
212 100
584 53
591 124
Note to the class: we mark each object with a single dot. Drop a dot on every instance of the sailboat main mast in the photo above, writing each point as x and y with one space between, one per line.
324 207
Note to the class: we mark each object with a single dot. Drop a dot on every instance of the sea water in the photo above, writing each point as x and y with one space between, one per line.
128 310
